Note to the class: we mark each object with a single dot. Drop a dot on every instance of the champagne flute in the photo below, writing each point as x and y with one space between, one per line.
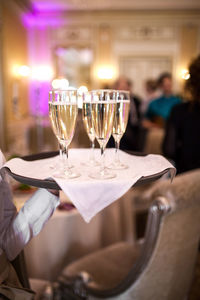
88 124
58 164
119 125
63 110
103 109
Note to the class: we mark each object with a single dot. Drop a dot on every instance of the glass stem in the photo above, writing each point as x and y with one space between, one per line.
117 161
65 159
60 152
92 151
102 169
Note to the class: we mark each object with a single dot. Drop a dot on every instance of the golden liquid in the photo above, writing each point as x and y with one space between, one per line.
87 120
120 119
63 119
103 114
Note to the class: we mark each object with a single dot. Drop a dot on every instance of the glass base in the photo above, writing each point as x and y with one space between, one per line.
71 166
105 174
117 166
56 164
91 163
59 165
66 174
53 166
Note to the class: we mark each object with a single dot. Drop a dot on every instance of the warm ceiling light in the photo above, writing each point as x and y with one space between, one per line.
105 73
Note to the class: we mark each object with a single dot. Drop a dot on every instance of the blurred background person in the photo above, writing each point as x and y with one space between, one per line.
182 142
151 93
159 109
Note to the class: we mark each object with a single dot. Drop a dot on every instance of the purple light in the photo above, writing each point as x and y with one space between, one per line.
43 16
28 20
42 20
50 6
40 58
39 98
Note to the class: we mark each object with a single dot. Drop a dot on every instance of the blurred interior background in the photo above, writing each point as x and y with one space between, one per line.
89 43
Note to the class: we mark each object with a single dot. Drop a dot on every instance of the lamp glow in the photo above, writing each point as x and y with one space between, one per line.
105 73
15 70
82 89
185 74
64 83
55 84
42 73
21 71
60 84
24 71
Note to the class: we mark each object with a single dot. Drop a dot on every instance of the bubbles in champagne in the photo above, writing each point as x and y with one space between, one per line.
103 114
120 119
63 119
87 120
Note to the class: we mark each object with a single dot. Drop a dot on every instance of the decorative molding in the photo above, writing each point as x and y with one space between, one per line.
102 5
145 32
73 34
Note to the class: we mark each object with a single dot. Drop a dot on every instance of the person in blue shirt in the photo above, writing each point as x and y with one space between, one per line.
159 109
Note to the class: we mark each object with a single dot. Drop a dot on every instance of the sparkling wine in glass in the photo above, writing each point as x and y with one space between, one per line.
88 124
119 125
103 110
58 164
63 111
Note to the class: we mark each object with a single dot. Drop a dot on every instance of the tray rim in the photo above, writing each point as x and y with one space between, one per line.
51 184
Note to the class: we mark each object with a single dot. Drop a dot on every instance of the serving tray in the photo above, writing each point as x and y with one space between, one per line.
51 184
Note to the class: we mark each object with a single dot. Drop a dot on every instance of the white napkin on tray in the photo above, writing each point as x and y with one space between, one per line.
90 196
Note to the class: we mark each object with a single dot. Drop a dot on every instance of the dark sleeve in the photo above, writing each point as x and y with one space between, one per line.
170 141
137 103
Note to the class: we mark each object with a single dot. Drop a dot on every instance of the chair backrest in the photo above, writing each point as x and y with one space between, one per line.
169 271
164 269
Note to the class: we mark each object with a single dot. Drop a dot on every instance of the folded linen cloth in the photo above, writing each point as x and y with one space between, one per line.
89 195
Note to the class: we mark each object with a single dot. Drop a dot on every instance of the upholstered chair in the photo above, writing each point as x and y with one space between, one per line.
160 268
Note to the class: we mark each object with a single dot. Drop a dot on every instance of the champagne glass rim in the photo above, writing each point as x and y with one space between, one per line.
66 90
102 90
122 91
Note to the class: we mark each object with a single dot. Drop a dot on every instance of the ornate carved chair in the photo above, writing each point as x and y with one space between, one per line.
161 267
